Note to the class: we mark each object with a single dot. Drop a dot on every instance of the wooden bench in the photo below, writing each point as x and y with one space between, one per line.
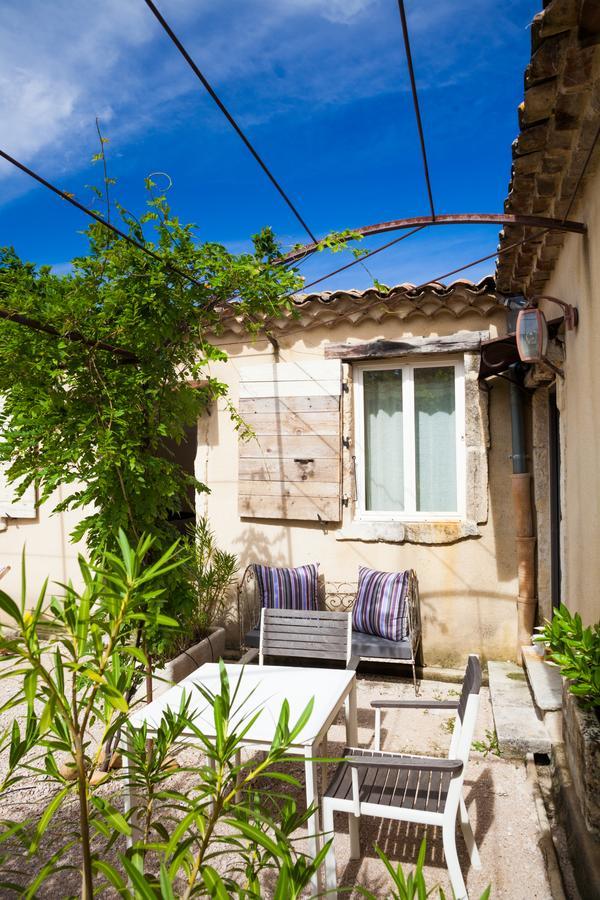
338 597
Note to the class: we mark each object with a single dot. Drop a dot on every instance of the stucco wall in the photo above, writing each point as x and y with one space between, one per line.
468 588
48 552
576 279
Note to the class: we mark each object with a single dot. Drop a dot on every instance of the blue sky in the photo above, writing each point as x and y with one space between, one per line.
321 88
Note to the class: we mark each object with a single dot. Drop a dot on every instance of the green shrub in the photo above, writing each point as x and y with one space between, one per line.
411 886
210 572
68 699
576 650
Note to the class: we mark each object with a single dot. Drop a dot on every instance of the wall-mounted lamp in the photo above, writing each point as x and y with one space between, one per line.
532 330
532 335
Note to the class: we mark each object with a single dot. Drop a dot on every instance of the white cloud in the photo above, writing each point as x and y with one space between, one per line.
63 63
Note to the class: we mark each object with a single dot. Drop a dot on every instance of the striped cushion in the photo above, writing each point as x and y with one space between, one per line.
288 588
380 607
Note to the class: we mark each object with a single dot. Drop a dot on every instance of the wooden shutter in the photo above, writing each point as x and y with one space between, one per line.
24 507
291 468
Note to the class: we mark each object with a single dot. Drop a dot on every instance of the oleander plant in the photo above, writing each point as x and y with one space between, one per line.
576 650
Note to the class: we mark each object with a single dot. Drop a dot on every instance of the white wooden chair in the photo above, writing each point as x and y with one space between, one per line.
420 789
304 635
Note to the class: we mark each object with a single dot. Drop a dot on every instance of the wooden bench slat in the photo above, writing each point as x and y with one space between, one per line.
292 628
300 634
308 642
306 613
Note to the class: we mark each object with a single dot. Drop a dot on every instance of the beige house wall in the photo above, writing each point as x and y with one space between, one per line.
48 551
468 588
576 279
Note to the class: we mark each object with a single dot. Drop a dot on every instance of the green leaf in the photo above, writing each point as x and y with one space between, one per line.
112 876
8 606
214 884
142 888
166 887
112 815
46 818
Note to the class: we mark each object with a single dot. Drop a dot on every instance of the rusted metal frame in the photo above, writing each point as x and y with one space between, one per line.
415 98
414 291
361 259
208 87
570 313
475 262
451 219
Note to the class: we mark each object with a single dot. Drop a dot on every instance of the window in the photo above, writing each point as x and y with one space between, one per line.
410 440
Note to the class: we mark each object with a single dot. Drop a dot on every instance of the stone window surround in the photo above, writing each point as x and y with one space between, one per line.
477 442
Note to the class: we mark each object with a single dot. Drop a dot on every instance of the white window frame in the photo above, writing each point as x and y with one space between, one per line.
410 514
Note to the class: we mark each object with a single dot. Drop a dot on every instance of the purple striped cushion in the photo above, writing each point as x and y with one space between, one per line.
380 606
288 588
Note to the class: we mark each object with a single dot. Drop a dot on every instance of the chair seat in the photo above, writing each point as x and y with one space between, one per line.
400 788
365 645
371 645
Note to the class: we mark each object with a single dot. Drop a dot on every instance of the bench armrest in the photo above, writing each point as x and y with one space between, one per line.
424 764
249 656
414 704
352 663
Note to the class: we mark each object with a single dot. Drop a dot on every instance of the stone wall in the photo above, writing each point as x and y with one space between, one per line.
581 730
577 792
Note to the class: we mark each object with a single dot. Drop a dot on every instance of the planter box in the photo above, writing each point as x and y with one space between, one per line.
581 730
209 649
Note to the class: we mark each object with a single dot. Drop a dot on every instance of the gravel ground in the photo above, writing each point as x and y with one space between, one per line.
498 797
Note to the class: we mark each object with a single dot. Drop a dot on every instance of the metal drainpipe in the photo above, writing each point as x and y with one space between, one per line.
524 530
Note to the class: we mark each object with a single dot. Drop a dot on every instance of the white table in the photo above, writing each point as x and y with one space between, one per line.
270 686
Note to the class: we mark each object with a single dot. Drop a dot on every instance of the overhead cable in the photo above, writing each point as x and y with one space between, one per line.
475 262
582 173
209 88
415 97
360 259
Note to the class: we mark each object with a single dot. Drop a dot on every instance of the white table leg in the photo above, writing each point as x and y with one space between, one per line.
351 717
310 775
324 752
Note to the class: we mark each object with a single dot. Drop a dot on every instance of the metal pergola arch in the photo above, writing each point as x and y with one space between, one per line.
449 219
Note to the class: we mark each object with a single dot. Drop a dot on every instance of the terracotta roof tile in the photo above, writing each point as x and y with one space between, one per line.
558 120
401 302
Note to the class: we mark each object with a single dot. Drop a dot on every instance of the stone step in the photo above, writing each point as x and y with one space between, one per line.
544 679
520 731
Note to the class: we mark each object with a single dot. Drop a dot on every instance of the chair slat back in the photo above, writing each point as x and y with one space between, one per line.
466 714
308 634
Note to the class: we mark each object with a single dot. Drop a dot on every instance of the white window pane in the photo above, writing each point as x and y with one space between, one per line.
435 439
384 458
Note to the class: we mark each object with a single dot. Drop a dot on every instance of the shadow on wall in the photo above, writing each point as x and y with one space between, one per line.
251 546
457 623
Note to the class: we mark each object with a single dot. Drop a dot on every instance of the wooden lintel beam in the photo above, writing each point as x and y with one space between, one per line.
380 349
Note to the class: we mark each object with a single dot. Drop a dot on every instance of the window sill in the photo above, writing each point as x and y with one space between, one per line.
447 532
